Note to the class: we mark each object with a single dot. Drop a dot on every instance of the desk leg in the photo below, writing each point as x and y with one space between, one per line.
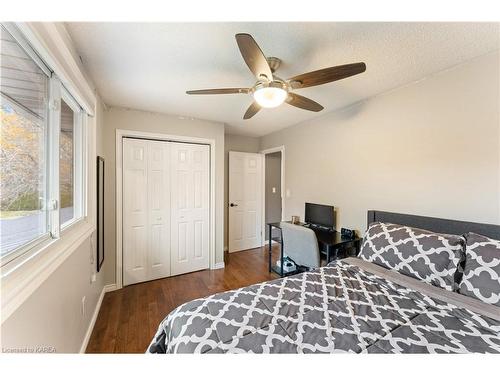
270 247
281 253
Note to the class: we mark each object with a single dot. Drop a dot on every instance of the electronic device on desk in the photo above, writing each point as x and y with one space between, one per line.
320 216
288 265
348 233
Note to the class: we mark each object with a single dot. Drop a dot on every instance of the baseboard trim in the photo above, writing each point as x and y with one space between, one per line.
86 339
218 266
110 288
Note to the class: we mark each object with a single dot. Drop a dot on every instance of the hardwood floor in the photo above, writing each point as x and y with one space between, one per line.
129 317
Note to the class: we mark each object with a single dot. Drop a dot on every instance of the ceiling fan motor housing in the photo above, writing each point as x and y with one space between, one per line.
274 63
277 83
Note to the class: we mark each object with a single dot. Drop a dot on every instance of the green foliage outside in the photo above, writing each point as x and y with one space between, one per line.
66 199
27 201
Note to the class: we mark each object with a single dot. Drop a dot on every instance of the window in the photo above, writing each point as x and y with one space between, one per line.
24 90
39 145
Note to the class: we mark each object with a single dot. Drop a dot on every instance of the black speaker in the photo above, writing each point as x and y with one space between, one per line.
348 233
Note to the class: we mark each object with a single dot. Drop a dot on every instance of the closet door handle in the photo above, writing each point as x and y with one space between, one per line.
233 205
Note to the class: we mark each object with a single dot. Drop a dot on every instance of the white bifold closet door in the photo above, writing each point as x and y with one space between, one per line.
165 212
146 210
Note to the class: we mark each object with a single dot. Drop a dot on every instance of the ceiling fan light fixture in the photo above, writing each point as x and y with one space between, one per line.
270 91
270 96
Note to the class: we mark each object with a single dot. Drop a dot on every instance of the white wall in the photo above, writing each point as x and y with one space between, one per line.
234 143
120 118
428 148
51 316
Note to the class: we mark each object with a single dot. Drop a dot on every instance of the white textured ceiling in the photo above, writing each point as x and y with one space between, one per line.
149 66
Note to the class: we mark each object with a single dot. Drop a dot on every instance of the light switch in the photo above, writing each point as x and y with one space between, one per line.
274 190
288 193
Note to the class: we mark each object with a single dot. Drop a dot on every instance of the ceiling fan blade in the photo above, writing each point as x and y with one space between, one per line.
253 56
302 102
322 76
251 111
219 91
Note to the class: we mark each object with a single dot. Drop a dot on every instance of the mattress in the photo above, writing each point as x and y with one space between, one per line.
349 306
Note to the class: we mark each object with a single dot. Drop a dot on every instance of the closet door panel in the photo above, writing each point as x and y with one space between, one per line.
180 203
135 211
201 203
159 209
189 207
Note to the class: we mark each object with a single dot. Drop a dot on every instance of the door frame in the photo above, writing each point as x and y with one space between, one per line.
264 152
124 133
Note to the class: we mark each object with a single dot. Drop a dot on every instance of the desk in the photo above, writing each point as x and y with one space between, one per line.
330 242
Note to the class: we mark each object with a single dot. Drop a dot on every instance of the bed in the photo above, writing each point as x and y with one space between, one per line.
350 305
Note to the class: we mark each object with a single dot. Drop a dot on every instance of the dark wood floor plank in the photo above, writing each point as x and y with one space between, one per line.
129 317
155 295
114 313
143 321
123 322
106 324
100 325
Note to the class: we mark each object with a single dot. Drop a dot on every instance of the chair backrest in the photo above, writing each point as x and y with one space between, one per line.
300 244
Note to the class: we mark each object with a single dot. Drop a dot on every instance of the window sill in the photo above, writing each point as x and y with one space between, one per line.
21 277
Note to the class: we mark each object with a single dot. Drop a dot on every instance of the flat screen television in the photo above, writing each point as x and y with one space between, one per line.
320 215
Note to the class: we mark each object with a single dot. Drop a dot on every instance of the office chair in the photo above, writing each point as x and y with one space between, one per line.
301 245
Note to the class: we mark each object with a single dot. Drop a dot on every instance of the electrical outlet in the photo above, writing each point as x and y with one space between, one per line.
83 306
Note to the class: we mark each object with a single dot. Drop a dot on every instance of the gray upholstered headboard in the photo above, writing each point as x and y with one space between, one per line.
434 224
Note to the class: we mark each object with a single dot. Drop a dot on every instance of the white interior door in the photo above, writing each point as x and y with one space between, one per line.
189 207
146 206
245 201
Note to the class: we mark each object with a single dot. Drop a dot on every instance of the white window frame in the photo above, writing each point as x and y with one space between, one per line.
56 93
79 159
54 126
46 237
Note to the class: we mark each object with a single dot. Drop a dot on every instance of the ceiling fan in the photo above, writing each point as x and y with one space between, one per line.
271 91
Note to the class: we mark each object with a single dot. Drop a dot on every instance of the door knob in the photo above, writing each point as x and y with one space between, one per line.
233 205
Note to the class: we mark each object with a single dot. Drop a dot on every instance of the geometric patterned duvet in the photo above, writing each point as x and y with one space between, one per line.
337 308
